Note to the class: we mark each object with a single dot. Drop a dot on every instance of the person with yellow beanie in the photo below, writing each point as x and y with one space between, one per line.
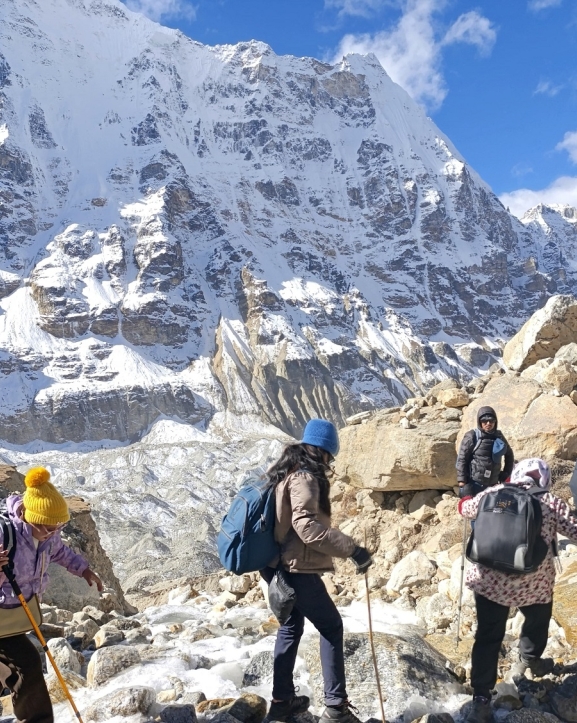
36 518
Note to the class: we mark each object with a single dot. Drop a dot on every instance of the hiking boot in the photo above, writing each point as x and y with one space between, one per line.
339 714
480 711
538 667
287 708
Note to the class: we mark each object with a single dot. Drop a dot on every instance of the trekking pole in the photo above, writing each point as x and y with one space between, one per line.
458 639
377 676
12 580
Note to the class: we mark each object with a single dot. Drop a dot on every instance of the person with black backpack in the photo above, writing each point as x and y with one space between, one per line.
513 547
481 455
300 480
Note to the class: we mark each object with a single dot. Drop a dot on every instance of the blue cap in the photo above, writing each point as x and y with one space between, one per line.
323 434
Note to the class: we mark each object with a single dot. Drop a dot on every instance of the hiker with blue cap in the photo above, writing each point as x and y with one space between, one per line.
307 545
485 457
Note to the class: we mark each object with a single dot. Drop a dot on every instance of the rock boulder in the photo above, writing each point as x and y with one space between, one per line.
107 662
414 569
535 424
407 665
382 455
122 702
543 334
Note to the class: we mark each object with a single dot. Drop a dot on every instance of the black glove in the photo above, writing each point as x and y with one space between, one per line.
503 476
467 490
362 559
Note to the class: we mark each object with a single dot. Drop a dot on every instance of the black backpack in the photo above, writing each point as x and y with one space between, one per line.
507 532
7 534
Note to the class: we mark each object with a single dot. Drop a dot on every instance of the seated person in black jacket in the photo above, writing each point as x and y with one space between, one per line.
481 455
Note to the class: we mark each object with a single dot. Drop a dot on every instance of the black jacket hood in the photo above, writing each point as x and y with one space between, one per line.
486 410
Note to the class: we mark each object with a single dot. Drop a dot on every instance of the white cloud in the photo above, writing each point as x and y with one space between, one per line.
360 8
521 169
546 87
163 9
411 52
537 5
569 144
473 29
562 191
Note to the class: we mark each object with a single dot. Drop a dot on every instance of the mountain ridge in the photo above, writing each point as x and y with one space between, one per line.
191 230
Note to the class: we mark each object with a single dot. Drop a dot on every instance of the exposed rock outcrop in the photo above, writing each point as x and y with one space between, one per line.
407 665
382 454
278 237
550 328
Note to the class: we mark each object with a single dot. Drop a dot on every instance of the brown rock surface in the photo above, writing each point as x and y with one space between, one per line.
535 424
565 601
81 534
382 455
550 328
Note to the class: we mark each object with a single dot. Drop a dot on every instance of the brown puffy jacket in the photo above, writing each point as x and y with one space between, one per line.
308 543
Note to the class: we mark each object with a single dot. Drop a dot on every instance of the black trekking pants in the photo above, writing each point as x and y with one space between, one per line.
491 625
21 672
314 603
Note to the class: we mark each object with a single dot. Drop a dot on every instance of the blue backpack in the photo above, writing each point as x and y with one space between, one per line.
246 539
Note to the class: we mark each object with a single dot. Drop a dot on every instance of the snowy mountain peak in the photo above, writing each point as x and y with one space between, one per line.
188 230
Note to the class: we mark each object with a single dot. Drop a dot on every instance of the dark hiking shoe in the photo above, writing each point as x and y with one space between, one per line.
538 667
340 714
480 711
287 708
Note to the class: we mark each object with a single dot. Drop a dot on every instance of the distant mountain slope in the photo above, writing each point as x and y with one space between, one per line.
187 229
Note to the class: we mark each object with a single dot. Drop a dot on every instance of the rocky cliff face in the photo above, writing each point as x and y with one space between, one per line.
187 229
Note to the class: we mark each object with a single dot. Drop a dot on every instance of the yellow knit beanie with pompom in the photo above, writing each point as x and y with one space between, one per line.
43 504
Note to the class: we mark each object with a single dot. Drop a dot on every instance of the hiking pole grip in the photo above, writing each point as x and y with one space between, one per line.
18 592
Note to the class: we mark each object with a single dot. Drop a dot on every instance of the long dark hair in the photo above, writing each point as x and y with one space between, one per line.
306 457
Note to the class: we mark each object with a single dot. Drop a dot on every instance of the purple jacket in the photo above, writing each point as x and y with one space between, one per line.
30 563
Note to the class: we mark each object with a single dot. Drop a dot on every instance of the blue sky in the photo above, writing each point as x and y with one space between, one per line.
499 77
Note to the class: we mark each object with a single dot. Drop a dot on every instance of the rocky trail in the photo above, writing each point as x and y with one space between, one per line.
199 648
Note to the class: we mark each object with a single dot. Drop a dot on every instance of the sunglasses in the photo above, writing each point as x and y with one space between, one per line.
48 529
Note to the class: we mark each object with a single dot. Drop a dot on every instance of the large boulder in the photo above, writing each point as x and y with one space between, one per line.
65 657
107 662
408 666
535 424
560 374
73 681
564 607
122 702
453 398
543 334
380 454
414 569
73 593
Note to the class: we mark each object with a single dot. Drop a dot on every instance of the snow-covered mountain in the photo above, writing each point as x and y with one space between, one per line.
187 230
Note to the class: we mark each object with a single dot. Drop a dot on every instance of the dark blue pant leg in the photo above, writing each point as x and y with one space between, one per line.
314 603
285 650
285 653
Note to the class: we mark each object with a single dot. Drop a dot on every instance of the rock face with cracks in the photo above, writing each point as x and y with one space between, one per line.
383 455
258 235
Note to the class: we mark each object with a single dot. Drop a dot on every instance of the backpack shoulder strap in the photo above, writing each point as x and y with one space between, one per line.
477 439
8 538
536 491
